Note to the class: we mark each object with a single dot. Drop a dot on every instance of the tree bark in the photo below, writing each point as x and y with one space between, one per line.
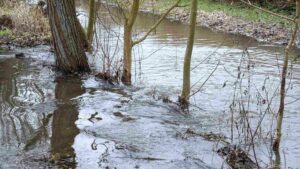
188 55
92 19
83 36
126 77
129 43
128 25
67 40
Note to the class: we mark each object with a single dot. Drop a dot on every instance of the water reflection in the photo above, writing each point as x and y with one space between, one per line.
8 119
64 129
36 110
24 115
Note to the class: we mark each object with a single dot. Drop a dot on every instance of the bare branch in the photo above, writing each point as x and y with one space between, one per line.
210 75
156 24
281 109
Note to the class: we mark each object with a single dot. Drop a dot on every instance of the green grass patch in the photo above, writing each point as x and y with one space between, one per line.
5 33
237 10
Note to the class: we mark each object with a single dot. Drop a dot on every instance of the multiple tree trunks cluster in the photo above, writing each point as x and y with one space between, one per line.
70 42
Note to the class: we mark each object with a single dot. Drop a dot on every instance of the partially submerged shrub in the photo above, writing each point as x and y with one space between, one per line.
30 25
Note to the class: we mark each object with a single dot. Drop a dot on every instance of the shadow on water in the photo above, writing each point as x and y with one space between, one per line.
35 111
84 124
8 90
17 123
64 129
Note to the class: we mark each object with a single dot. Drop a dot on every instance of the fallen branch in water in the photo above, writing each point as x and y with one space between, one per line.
210 75
206 135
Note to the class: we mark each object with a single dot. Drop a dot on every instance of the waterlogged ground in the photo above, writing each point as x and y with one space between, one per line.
48 120
89 123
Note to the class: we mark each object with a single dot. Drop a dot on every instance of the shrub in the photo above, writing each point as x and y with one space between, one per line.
30 25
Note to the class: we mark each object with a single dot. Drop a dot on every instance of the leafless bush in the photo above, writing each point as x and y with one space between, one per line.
29 22
253 111
107 47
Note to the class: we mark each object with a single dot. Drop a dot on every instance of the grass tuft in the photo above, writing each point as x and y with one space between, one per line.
5 33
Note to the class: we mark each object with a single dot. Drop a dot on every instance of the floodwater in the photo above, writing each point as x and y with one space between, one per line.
85 122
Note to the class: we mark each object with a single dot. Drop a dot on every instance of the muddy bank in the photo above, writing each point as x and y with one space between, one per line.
219 21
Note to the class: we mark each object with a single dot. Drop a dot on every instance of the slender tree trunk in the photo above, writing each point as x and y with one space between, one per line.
129 43
278 134
67 40
126 77
188 55
92 19
83 36
128 25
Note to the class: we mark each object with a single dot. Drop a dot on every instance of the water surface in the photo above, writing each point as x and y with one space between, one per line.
84 122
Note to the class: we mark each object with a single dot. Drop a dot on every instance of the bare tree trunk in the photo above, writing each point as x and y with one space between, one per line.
276 143
92 19
128 25
129 43
82 33
188 55
126 77
83 36
67 40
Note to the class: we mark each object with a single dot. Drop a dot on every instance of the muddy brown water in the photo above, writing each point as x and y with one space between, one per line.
88 123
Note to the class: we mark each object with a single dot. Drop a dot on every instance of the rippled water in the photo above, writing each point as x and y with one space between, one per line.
88 123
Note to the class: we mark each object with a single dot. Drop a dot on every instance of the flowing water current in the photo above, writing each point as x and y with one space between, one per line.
85 122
